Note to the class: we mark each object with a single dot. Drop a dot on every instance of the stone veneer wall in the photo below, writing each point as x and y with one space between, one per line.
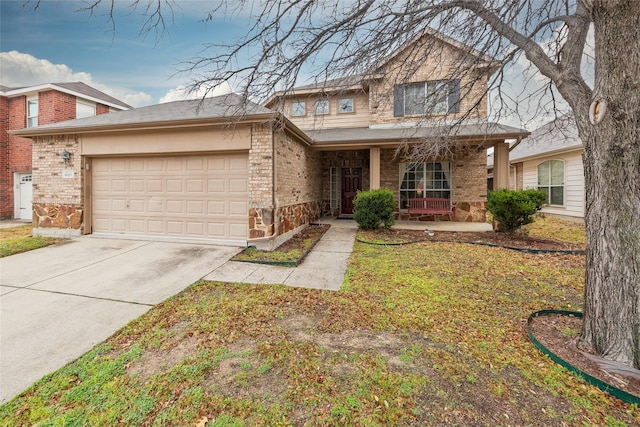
469 192
57 200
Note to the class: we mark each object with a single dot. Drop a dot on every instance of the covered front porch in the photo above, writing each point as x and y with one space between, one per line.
459 179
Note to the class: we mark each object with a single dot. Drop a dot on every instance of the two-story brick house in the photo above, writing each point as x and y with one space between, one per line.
228 170
26 107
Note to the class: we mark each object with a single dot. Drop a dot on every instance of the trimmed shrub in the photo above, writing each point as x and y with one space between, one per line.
513 209
374 208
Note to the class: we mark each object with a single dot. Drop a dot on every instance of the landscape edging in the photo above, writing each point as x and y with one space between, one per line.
607 388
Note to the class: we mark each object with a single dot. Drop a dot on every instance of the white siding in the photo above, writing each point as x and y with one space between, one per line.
573 182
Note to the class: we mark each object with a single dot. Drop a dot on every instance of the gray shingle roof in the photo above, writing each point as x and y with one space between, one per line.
92 92
230 105
558 135
68 87
364 134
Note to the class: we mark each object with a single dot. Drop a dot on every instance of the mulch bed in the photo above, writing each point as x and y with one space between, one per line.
556 332
516 240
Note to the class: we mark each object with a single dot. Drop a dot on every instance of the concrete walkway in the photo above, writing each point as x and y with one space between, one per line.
323 268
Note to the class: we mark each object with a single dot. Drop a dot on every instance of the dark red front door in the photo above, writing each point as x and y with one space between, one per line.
351 184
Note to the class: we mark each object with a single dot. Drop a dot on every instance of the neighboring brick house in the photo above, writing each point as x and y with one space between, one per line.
31 106
231 171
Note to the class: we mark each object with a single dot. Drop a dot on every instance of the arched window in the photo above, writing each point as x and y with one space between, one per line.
551 180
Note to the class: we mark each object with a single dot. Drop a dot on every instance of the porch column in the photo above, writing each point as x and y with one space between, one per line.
500 165
374 168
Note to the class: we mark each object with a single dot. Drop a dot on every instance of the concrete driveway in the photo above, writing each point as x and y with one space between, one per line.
58 302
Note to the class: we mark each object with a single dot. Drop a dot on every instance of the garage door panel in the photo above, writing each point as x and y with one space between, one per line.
191 196
216 186
216 164
235 208
137 226
156 186
237 230
136 186
195 207
119 224
155 227
238 163
195 186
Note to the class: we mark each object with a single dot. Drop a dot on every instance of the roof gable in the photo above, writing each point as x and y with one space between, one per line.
429 32
77 89
558 135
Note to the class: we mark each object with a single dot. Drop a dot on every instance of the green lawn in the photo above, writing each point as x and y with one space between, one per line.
19 239
423 334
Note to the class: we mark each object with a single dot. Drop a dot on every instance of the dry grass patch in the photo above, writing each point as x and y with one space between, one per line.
426 334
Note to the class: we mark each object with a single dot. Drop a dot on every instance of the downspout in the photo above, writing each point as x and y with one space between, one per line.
518 141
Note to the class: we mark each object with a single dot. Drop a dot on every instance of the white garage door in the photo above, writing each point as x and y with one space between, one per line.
204 196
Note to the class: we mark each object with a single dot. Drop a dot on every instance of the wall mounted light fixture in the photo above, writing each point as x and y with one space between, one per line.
66 156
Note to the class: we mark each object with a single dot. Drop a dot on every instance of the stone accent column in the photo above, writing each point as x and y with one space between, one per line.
58 203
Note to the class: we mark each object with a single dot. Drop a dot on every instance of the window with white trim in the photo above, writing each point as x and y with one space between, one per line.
429 179
322 106
345 105
435 97
298 108
32 112
85 109
551 181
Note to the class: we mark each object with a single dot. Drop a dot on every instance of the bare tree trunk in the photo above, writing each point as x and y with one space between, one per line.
612 172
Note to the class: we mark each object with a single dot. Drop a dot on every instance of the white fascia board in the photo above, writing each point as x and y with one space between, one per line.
27 91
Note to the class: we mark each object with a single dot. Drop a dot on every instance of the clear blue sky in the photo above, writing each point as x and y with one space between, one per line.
134 68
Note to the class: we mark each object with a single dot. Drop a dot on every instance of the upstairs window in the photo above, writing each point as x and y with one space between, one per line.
322 107
426 98
85 109
32 112
551 181
430 179
298 108
345 105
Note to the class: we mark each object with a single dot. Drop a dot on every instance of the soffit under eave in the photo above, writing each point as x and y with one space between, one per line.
133 127
365 144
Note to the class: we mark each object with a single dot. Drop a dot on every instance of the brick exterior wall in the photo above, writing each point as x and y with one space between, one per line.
101 109
57 198
284 185
298 183
261 184
54 106
16 152
6 179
